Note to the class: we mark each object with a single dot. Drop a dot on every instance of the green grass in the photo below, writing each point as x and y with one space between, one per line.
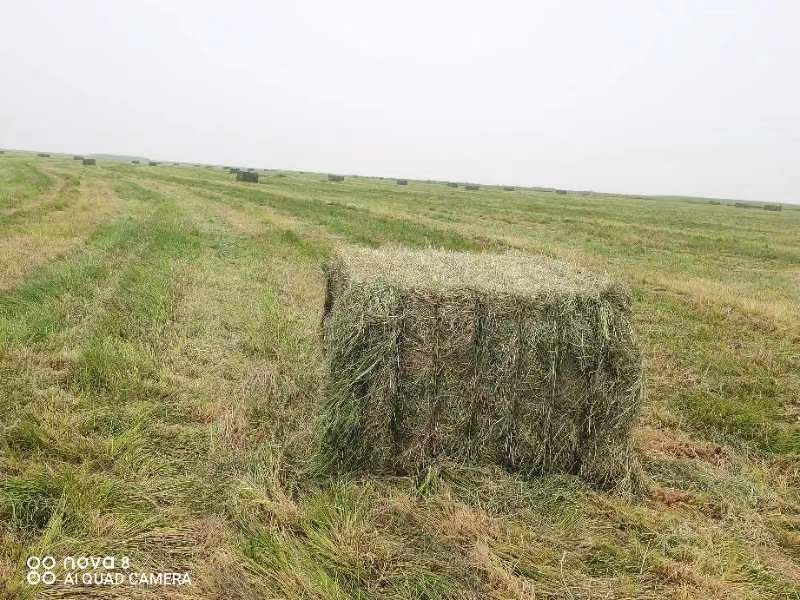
160 388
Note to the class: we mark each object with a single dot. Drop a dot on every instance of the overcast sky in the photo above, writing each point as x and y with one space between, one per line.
696 98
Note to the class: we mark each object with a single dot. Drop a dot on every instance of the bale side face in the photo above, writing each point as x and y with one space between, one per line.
420 373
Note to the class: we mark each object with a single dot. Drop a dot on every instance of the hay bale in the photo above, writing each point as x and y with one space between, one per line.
508 188
153 163
89 161
472 187
335 177
402 182
248 176
561 191
715 202
43 154
451 184
505 359
773 207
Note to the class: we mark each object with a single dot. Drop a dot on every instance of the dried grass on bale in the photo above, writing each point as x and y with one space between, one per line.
509 359
89 161
247 176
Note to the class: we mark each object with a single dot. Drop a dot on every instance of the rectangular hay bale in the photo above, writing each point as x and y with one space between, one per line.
248 176
508 359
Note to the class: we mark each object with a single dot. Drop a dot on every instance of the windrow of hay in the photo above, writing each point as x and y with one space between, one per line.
509 359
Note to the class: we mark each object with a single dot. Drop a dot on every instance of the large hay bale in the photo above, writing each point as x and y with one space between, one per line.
504 359
89 161
247 176
335 177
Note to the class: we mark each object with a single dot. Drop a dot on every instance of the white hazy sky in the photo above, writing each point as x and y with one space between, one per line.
699 98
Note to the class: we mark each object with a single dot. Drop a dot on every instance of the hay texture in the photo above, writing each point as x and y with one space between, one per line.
508 359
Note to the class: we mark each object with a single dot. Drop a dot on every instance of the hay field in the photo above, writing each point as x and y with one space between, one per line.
161 377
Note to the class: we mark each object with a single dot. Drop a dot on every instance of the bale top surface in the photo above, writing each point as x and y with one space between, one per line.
442 271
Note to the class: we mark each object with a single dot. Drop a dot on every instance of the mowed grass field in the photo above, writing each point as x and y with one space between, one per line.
161 380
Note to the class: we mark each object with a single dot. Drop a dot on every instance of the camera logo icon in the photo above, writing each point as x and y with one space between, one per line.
40 570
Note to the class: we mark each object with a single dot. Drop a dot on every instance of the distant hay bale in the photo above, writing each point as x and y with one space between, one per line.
43 154
452 184
561 191
248 176
402 182
153 163
715 202
335 177
508 359
135 162
89 161
77 157
472 187
773 207
508 188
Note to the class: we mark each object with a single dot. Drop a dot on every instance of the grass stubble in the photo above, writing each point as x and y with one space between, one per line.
162 378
